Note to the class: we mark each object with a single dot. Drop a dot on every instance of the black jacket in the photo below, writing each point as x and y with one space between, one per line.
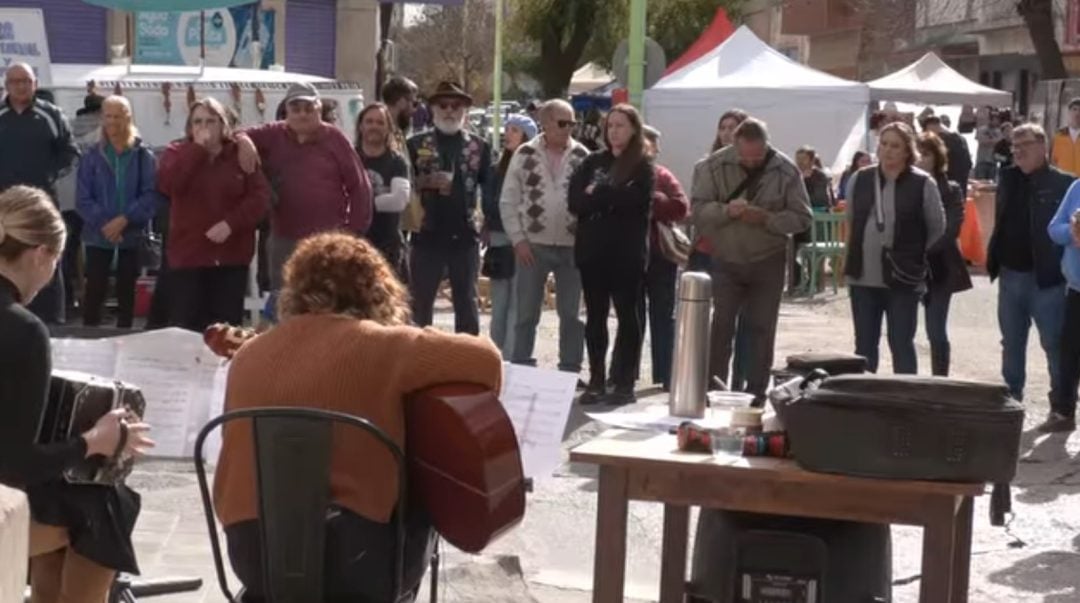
959 158
99 519
35 146
948 270
613 219
1047 187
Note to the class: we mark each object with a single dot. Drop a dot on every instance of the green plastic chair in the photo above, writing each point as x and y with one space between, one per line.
827 242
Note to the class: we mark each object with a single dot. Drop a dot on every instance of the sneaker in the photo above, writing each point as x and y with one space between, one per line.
1057 423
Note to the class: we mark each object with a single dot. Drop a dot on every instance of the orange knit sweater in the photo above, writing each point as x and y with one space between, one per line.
338 363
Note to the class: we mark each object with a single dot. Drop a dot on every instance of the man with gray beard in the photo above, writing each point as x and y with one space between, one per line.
451 170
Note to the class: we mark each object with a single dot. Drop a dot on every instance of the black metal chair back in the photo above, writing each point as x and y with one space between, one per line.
292 468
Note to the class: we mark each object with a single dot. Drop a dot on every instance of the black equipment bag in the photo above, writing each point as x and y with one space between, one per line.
754 558
76 401
904 427
801 365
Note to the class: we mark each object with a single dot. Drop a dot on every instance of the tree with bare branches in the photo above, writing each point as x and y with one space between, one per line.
455 43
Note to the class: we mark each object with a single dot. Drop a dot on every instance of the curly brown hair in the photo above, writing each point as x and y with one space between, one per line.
338 273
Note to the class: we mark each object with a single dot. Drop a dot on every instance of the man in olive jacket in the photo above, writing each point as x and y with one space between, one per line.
747 199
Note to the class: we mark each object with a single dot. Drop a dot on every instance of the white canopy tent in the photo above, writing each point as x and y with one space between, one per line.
929 81
801 106
589 78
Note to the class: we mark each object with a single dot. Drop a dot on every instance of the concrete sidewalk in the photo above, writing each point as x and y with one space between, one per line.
1036 559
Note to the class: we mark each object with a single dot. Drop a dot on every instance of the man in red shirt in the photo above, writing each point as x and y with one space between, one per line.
318 181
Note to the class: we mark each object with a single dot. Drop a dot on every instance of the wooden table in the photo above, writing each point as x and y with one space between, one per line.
647 466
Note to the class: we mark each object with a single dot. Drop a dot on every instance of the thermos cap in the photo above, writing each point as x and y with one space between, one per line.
695 286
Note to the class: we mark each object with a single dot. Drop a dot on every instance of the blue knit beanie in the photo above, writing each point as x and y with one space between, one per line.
523 123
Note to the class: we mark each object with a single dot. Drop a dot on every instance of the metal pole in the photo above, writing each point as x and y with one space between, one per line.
636 57
496 79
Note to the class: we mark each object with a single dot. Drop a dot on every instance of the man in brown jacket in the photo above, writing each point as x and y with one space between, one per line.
747 199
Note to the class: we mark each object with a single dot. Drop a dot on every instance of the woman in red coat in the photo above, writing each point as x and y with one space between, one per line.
670 207
215 209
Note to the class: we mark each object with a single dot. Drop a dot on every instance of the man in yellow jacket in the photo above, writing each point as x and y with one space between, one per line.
1065 154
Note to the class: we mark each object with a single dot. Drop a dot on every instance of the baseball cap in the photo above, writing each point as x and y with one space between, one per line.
302 91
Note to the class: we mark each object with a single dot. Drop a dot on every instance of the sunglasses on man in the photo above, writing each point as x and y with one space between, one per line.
450 106
566 123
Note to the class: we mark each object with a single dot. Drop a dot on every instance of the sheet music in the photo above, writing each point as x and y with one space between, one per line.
538 402
175 371
176 377
93 356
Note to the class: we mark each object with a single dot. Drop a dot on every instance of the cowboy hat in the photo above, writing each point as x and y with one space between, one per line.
449 90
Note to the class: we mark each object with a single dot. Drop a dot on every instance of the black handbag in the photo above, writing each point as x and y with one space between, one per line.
499 263
150 251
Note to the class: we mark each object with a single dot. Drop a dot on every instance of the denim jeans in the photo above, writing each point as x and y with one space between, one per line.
503 313
660 296
1021 302
531 283
899 309
937 332
1070 356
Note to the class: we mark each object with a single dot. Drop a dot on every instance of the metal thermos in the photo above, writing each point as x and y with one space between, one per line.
690 364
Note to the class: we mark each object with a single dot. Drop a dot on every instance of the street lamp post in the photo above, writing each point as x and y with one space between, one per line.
636 54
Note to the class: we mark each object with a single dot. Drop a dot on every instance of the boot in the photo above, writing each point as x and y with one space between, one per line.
939 359
594 392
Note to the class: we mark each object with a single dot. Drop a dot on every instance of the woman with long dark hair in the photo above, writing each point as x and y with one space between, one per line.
80 535
499 260
948 271
859 160
611 194
895 216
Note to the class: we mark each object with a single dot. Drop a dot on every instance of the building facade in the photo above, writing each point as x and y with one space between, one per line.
332 38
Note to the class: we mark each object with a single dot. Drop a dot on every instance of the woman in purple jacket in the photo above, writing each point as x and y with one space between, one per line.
116 197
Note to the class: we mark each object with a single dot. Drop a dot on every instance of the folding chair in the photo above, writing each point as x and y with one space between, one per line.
292 469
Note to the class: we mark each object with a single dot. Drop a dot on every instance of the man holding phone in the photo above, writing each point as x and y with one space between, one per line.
746 200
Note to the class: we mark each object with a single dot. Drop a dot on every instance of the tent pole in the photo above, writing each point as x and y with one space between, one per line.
496 79
636 58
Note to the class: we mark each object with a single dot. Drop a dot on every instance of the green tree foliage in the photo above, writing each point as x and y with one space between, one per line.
558 36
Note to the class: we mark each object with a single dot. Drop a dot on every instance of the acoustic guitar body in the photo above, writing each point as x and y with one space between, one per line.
464 463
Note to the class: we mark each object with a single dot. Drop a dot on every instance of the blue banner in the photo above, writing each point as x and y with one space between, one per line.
168 38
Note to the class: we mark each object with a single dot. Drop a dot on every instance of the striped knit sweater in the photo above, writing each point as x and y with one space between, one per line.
338 363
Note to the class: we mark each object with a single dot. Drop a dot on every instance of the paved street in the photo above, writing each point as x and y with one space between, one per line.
1038 559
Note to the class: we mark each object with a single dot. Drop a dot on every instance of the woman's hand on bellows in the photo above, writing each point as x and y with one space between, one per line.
105 436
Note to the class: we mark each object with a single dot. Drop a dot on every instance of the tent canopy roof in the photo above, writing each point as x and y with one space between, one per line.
744 61
588 78
67 75
930 81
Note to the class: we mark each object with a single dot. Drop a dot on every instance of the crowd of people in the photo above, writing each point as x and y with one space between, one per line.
359 239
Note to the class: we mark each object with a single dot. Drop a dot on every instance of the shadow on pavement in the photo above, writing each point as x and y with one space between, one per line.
1045 572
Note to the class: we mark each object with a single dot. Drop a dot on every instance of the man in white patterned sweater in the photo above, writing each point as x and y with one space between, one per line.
537 220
